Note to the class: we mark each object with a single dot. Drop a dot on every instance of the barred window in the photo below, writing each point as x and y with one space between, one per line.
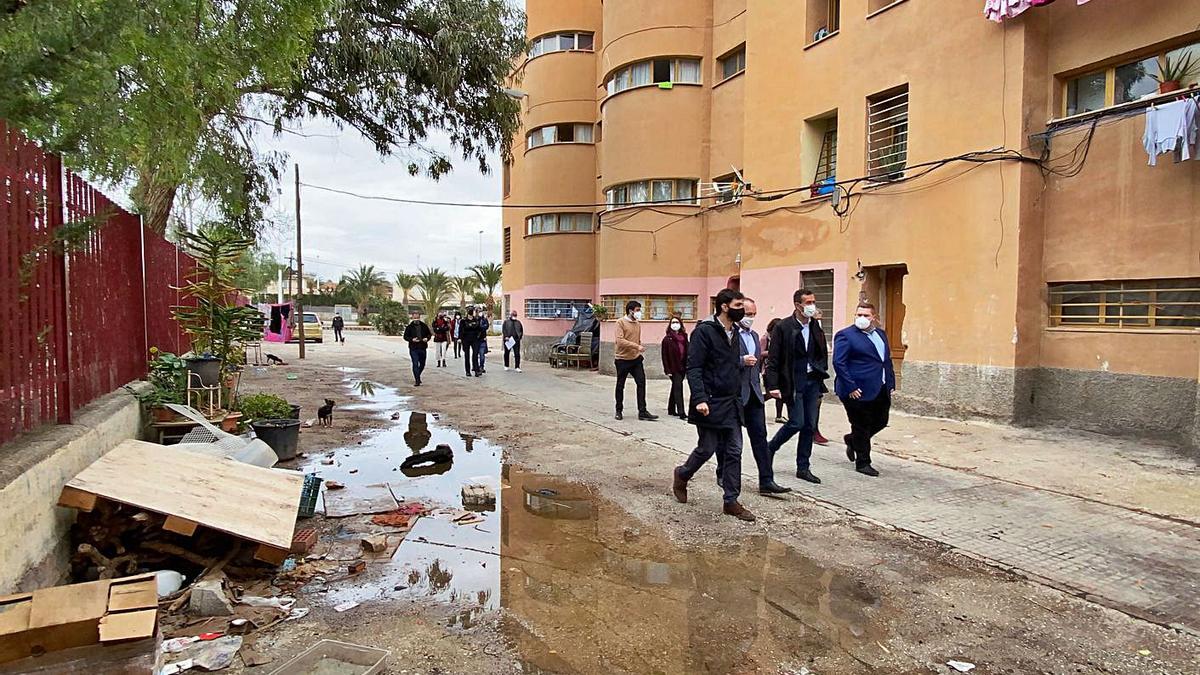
1150 303
654 307
553 308
548 223
507 245
887 134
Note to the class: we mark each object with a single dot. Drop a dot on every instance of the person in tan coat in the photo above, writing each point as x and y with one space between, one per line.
629 359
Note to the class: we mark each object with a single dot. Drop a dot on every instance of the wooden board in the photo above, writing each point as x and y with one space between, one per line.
128 625
247 501
357 500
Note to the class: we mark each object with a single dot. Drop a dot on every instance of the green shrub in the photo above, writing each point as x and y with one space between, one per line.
391 319
263 407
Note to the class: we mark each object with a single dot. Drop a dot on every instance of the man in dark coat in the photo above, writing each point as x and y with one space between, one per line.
468 335
338 325
715 378
797 368
417 335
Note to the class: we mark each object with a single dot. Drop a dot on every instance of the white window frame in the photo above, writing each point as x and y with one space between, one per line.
684 70
559 223
551 134
552 42
642 192
543 309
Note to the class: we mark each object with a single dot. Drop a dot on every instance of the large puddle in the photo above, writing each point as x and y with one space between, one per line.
582 586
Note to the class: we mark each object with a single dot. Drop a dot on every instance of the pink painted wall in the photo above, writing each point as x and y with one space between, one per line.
549 327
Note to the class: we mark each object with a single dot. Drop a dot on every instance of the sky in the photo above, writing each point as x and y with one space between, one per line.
342 232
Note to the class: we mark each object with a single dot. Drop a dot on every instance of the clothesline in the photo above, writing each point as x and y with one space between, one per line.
1172 128
999 10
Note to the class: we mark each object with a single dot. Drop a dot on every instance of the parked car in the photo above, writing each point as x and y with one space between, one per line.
314 329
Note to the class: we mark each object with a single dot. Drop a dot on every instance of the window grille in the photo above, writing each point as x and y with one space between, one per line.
887 134
1150 304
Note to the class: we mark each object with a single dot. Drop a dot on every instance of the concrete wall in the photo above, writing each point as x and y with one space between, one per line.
34 542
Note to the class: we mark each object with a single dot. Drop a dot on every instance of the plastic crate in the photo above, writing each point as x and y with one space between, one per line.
308 495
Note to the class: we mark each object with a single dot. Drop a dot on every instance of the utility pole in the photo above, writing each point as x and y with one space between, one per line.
481 247
291 274
299 297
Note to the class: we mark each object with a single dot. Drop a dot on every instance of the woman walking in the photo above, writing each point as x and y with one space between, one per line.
674 357
766 349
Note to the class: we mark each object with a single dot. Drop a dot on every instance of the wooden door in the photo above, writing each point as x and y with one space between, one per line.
893 317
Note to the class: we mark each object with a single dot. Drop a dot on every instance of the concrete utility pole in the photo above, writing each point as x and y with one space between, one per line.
299 297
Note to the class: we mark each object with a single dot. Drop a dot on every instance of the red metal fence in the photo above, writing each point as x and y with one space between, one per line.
84 290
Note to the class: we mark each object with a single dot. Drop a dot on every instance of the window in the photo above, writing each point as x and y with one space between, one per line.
732 63
507 245
507 179
549 223
1150 304
654 307
657 71
878 5
887 134
727 188
1127 81
559 133
821 283
553 308
671 190
823 18
560 42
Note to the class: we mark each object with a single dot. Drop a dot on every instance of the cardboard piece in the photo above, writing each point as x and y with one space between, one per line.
366 499
80 615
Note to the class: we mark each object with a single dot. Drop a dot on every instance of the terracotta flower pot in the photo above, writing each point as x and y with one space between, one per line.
163 414
1169 86
231 421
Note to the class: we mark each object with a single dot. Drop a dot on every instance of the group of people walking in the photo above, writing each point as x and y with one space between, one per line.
732 373
464 336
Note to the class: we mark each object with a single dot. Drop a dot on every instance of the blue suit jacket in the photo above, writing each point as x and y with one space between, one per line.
857 364
751 375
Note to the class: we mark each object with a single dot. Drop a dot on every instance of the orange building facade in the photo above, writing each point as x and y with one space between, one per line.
984 184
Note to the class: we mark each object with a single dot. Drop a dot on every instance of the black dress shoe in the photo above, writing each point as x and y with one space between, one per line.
773 489
619 415
683 417
849 448
808 476
647 417
867 470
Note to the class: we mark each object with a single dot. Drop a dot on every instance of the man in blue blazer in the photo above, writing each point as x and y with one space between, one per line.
862 361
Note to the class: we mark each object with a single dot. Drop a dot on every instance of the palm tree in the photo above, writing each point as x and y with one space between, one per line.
363 283
464 287
489 276
406 282
437 288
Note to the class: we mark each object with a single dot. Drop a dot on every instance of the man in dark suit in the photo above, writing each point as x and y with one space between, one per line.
753 402
865 381
797 368
714 374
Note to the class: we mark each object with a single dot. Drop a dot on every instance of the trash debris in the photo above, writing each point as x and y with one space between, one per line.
468 518
297 613
280 602
288 565
176 645
361 500
345 606
339 657
208 599
333 485
441 454
478 494
252 657
353 470
961 666
357 567
169 582
177 667
304 540
376 543
1144 652
217 654
392 519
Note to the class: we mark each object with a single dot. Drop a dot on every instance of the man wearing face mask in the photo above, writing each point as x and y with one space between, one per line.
715 377
797 368
629 360
512 333
865 381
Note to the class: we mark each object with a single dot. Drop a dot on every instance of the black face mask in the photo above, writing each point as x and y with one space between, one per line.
736 315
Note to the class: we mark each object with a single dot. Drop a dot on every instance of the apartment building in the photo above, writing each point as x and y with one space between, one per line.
983 182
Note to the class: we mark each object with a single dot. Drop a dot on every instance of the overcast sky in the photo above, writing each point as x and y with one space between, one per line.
342 232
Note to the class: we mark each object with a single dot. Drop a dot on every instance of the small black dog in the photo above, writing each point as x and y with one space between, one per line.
325 413
275 360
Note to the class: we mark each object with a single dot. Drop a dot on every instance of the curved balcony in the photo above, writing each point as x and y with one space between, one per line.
559 258
654 133
636 29
549 16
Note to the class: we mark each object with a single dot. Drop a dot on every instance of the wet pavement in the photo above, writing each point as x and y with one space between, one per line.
582 587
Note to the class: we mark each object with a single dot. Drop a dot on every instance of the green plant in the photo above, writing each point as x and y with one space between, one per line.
464 287
363 285
406 282
600 312
216 324
168 377
391 319
1177 69
490 276
263 407
436 290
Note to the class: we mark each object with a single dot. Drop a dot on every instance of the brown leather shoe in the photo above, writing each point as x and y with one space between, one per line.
679 487
738 511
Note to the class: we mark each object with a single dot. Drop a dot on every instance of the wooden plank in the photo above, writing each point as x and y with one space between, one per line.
128 625
271 555
61 605
127 596
247 501
77 499
180 526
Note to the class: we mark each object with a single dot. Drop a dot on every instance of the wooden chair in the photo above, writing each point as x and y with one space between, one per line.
580 355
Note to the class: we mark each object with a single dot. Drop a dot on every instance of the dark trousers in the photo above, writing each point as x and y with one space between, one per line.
469 362
675 404
778 408
726 444
755 413
625 369
418 361
337 334
516 351
867 418
457 348
802 419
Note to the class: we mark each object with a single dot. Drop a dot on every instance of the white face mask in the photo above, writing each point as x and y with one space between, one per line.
637 315
862 322
676 325
810 311
747 322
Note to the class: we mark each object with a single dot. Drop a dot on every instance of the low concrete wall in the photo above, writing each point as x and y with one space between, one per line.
34 542
653 364
962 391
536 348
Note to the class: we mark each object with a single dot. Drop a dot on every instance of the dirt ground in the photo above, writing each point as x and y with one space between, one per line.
646 585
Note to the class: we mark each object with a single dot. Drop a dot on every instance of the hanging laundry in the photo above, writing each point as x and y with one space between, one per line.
999 10
1171 127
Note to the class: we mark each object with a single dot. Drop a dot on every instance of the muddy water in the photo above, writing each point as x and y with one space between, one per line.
583 588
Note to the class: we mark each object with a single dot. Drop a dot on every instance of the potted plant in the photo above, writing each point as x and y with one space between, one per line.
219 328
600 312
168 378
1174 71
270 417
